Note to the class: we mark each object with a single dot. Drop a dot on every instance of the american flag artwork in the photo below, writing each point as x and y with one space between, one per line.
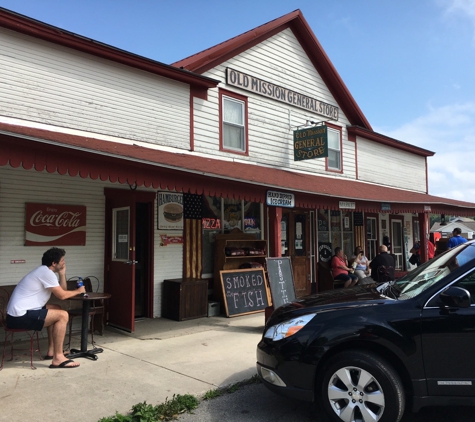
192 205
192 234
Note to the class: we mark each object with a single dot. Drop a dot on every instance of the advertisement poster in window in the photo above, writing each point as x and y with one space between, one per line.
170 211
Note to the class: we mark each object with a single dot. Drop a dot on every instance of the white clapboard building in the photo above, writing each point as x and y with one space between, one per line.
153 175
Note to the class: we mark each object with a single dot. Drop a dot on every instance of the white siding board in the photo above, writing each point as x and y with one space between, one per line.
58 86
389 166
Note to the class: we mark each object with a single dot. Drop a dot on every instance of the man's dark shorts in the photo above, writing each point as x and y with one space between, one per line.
32 320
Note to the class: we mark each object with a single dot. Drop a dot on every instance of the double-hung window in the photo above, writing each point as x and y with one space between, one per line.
334 150
233 123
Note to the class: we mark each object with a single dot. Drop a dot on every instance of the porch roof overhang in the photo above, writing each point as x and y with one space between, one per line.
134 164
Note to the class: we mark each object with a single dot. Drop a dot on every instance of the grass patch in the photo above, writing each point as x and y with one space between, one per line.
167 411
170 409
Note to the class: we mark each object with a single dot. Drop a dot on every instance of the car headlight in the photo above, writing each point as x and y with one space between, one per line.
288 328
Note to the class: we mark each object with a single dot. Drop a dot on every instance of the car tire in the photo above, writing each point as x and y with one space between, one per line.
360 386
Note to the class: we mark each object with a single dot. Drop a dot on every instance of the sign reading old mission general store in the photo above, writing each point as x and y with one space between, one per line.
310 143
270 90
52 224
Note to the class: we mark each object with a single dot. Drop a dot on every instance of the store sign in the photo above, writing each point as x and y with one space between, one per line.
345 205
385 206
325 251
280 199
55 225
278 93
310 143
170 211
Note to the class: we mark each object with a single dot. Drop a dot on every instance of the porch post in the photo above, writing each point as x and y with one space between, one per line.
275 219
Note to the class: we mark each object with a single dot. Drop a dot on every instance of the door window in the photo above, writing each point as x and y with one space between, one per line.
371 238
120 234
397 243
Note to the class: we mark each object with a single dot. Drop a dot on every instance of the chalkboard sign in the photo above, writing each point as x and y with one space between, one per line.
244 291
281 280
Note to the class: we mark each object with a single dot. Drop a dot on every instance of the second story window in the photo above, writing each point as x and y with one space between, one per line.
233 121
334 150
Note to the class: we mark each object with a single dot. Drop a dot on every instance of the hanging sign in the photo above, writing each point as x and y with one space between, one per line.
52 224
310 143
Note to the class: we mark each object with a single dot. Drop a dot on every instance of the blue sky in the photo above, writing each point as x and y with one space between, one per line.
410 65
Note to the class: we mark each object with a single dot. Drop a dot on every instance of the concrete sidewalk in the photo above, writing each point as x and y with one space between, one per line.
162 358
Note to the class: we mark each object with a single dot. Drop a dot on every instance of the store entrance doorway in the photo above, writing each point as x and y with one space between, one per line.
296 244
129 256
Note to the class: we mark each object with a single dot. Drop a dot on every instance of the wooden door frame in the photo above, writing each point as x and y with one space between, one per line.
136 196
399 218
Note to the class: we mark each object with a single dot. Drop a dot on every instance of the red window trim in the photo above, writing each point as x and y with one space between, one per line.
230 94
340 171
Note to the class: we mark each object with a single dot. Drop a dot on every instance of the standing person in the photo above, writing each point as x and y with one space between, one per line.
382 259
340 269
27 306
360 263
456 239
415 258
430 249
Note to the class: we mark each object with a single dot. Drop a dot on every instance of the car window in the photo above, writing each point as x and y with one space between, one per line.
426 275
468 283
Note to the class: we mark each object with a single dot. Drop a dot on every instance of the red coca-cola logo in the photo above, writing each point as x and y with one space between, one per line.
48 224
64 219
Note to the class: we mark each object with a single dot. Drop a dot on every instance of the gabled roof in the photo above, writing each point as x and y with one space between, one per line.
468 226
207 59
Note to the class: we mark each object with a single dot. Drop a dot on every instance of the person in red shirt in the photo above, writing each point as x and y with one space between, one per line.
340 269
430 249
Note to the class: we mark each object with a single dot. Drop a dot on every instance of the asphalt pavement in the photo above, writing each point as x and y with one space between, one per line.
255 403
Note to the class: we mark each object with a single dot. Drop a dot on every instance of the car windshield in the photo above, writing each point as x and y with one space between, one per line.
424 276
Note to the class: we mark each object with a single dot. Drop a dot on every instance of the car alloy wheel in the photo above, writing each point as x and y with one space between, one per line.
358 386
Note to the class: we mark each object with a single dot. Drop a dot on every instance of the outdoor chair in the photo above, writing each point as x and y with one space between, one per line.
91 284
10 332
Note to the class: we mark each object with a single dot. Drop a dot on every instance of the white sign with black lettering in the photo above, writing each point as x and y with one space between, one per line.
280 199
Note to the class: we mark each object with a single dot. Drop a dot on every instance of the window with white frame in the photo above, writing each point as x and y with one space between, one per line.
334 150
233 124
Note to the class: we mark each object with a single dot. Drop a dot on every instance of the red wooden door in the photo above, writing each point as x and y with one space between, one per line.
297 246
121 262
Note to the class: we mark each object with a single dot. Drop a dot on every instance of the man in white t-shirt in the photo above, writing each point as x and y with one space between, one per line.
27 307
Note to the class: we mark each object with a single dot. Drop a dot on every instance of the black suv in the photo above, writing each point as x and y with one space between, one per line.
368 352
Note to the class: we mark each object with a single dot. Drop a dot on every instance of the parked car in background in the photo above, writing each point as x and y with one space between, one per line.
369 352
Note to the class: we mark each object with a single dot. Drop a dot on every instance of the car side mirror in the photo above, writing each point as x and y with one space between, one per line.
455 297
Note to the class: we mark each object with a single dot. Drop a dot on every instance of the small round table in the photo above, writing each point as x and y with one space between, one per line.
86 306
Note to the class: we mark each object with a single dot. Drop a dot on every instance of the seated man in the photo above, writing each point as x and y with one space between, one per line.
27 306
340 269
383 259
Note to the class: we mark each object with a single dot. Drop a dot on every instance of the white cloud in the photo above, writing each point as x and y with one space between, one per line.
455 9
448 131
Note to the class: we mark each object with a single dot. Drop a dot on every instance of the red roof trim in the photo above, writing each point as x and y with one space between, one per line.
89 157
37 29
207 59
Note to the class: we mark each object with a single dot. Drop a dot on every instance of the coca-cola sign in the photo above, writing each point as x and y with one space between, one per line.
55 225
